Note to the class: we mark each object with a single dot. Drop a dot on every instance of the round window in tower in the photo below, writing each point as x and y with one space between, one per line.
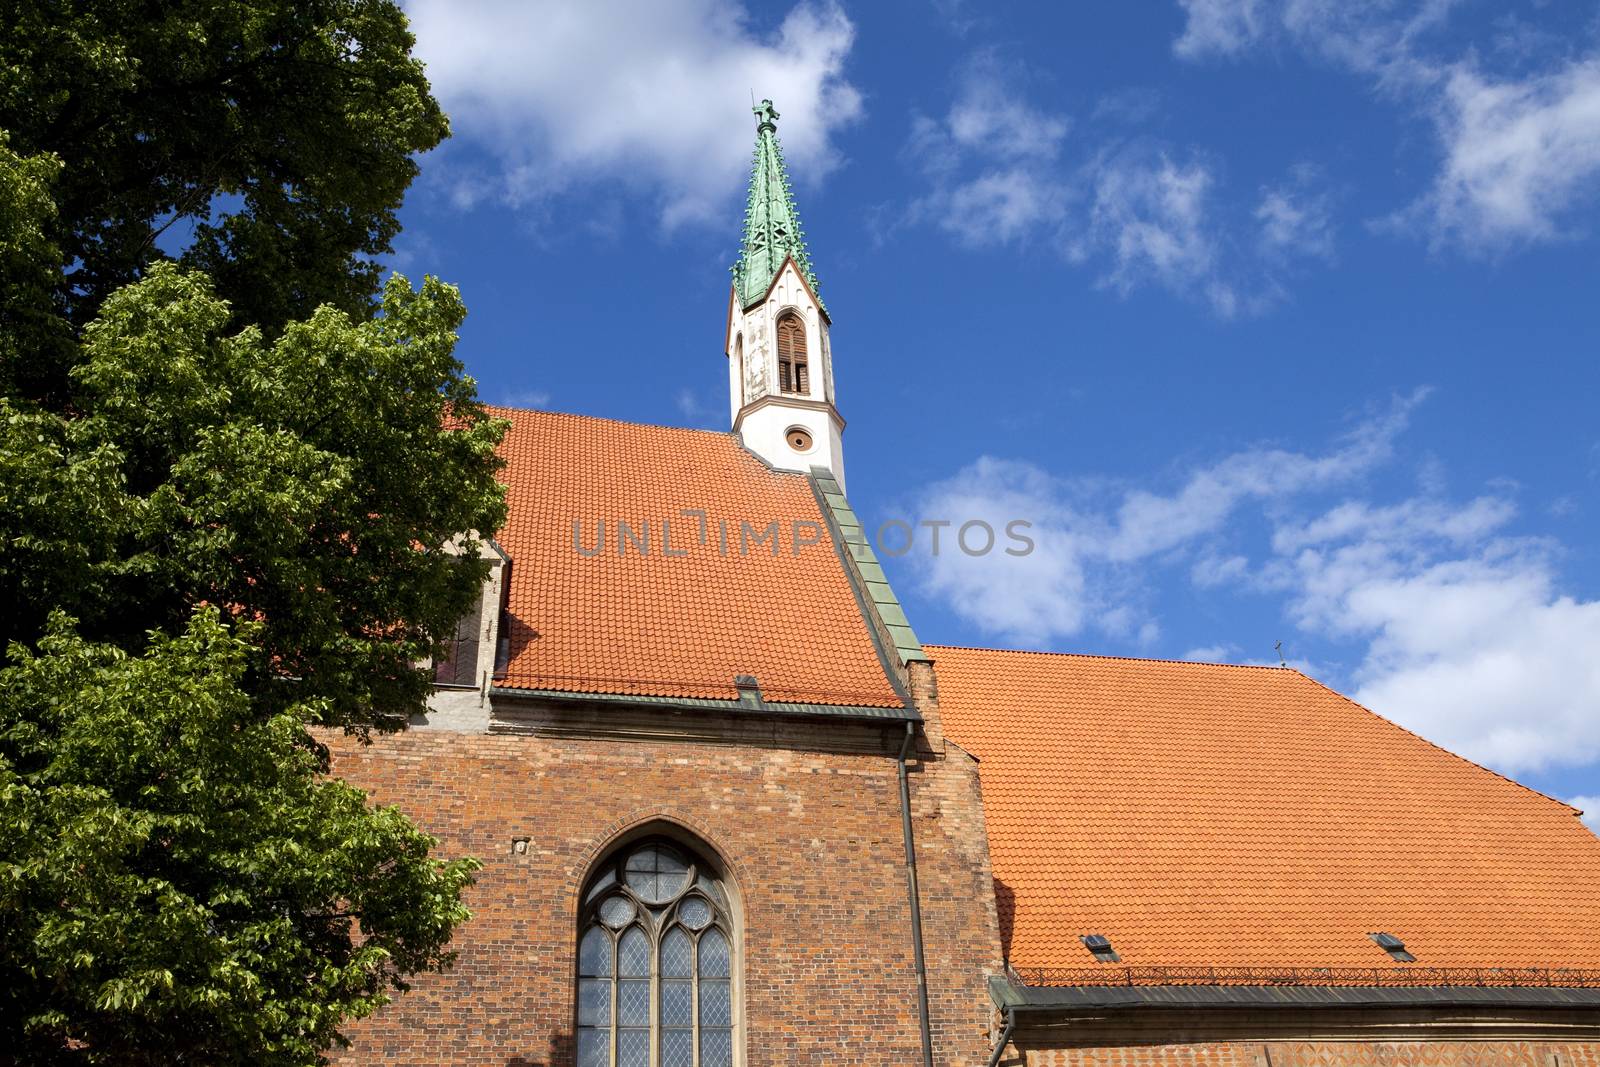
799 438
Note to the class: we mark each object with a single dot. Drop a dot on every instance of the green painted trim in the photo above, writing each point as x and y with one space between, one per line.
874 583
767 707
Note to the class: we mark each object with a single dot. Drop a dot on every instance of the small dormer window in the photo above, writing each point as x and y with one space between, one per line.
793 373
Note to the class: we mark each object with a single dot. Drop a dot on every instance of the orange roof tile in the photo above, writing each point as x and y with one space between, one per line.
652 625
1203 815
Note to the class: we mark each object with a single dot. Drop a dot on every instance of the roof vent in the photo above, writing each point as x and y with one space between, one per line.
749 690
1395 947
1101 947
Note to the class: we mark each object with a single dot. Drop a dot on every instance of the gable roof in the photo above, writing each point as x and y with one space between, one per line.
1208 816
645 624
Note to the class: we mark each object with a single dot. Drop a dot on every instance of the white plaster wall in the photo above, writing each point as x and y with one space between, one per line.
756 329
763 430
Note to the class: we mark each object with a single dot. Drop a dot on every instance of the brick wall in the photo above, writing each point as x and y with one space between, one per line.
813 842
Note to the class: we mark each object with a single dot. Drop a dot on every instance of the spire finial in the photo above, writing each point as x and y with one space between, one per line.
766 116
771 225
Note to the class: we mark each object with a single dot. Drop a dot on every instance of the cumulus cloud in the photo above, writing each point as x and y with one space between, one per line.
1519 156
1468 640
650 94
1460 627
1519 152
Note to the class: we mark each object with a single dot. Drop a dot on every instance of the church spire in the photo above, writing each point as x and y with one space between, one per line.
772 230
780 362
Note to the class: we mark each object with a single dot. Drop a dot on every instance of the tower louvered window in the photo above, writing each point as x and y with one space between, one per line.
655 962
793 374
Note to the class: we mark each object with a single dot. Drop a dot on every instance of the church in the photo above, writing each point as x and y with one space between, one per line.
732 809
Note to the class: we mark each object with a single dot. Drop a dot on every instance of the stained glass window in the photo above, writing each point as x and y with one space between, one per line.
655 962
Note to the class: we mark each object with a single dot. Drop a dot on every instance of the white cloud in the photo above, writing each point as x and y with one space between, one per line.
1460 628
1004 171
1219 27
1519 154
1095 542
1295 218
654 95
1152 218
1467 639
1590 806
1016 193
988 117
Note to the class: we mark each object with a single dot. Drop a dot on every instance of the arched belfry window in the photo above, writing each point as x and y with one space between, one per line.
793 375
656 952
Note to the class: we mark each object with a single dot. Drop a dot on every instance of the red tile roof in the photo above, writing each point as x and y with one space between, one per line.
1203 815
679 627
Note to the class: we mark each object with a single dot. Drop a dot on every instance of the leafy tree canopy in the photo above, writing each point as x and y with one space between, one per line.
179 881
228 488
281 132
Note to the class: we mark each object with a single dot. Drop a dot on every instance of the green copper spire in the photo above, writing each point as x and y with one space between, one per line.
771 224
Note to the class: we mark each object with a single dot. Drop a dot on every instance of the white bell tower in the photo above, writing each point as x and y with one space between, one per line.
780 364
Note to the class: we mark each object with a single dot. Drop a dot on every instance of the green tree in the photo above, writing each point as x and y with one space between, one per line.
228 489
284 129
182 875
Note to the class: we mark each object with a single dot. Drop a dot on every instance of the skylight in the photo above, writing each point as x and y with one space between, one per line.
1395 947
1100 946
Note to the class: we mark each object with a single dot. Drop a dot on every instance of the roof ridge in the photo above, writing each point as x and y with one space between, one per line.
1106 656
1268 667
1435 745
603 418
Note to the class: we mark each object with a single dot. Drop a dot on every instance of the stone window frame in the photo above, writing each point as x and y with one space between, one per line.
703 879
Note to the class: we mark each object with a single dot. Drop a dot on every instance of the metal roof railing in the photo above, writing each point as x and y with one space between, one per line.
1481 977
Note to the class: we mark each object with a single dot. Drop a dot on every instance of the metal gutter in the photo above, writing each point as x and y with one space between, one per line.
916 900
1013 997
739 707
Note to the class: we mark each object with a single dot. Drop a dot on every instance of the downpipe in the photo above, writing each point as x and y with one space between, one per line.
1005 1036
916 900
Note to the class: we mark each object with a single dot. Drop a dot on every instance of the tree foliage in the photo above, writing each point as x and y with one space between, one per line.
310 484
283 130
185 881
229 483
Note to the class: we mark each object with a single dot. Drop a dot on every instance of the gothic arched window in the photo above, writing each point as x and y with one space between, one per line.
655 961
792 370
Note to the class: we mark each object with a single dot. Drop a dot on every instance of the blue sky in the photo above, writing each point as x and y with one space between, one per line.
1278 322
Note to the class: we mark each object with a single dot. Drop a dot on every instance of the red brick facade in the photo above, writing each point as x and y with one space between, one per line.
810 834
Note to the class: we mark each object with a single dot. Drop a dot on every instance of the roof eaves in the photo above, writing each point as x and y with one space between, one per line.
769 707
1013 996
